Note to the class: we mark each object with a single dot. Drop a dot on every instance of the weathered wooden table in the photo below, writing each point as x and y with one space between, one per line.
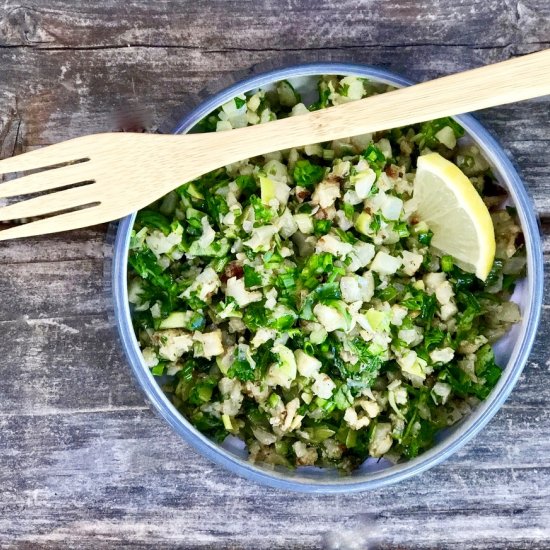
84 463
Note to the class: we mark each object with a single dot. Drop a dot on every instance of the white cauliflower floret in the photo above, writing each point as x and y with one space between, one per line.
507 312
208 344
257 390
363 182
447 311
350 197
173 343
471 346
229 387
366 285
381 440
397 395
385 147
262 336
299 109
263 436
444 293
355 89
271 298
135 289
354 421
323 386
304 223
149 357
236 325
159 243
446 136
329 317
433 280
398 313
231 390
411 262
411 364
444 355
411 336
306 456
307 365
468 365
341 168
261 238
372 408
442 390
332 245
342 221
291 419
391 207
349 287
208 234
235 289
385 264
333 449
361 255
286 224
326 193
205 284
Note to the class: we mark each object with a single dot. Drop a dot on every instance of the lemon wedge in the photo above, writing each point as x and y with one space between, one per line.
448 202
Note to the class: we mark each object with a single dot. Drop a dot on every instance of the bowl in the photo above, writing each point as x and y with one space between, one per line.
511 351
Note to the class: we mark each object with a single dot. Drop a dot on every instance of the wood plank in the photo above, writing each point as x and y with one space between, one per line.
288 24
53 289
64 364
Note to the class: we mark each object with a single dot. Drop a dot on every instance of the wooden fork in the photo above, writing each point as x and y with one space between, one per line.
112 175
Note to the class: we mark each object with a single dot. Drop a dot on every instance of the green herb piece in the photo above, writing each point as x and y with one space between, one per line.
423 302
321 227
402 229
494 274
428 130
202 391
152 218
447 263
241 369
307 174
246 184
425 238
262 213
255 316
375 158
251 277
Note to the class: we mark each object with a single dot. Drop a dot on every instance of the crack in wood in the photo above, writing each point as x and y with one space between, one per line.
344 47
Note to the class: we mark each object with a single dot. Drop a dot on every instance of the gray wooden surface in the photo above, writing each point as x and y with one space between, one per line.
84 463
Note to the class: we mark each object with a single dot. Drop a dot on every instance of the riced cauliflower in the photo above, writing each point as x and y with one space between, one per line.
294 301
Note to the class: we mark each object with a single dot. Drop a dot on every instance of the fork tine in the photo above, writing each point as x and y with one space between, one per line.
48 204
67 151
43 181
61 222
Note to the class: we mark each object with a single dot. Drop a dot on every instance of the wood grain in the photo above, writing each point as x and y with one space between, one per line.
84 463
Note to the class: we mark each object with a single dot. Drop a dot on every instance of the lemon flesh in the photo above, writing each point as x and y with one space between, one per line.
448 202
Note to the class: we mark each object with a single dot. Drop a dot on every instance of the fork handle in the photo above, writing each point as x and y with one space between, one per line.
506 82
